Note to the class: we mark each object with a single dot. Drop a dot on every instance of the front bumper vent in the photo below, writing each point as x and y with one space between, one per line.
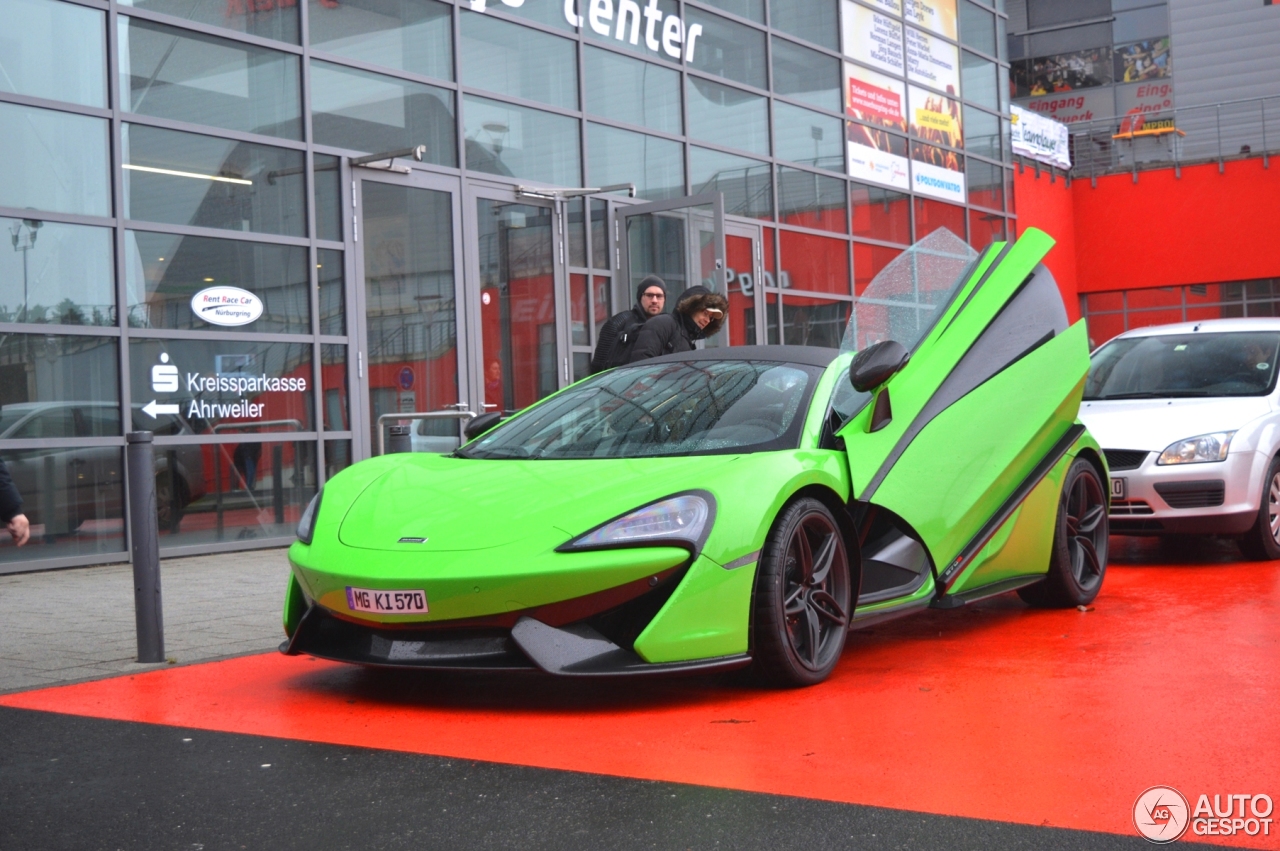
1204 494
1125 459
1129 507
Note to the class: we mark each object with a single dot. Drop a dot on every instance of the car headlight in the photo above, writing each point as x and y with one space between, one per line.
681 520
307 523
1197 450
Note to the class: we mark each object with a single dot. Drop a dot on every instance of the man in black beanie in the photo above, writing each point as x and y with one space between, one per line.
699 313
618 335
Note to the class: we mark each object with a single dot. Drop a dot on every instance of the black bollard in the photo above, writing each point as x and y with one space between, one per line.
141 465
398 439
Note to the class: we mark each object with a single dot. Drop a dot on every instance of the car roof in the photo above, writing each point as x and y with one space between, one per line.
806 355
1260 323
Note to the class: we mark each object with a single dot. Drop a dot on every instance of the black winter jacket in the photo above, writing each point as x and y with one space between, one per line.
667 333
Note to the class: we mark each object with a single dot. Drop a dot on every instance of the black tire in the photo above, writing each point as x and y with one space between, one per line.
1262 541
802 597
1078 562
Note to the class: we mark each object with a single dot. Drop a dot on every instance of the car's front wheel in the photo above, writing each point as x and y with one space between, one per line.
1262 541
803 597
1079 556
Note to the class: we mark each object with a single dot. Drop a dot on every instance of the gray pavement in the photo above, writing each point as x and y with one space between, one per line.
63 626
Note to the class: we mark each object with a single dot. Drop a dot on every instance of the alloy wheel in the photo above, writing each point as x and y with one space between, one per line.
816 599
1273 507
1087 530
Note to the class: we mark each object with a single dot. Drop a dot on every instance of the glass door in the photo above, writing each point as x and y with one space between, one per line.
408 241
517 315
680 241
744 288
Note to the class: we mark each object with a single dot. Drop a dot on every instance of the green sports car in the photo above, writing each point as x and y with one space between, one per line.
738 506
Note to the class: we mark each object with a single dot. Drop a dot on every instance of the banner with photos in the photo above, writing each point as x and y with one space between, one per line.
1143 60
1063 72
880 101
1039 138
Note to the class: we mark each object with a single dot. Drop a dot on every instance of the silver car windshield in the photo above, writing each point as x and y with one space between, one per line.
905 299
700 407
1184 365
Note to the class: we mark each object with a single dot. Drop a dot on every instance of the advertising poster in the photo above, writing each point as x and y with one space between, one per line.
932 62
893 7
872 38
936 119
937 173
876 155
1064 72
1039 138
937 16
1143 60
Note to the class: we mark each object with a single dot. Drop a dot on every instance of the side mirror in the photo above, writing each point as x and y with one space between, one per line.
876 364
479 425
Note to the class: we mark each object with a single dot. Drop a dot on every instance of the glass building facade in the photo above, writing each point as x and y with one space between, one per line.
210 238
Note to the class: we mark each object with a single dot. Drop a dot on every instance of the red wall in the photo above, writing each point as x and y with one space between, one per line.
1050 205
1162 231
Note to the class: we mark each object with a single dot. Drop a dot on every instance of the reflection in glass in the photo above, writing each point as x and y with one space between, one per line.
73 497
578 305
517 61
814 263
868 260
811 200
625 89
328 198
603 308
808 137
977 28
517 304
601 254
337 457
932 215
807 75
163 272
331 282
58 386
223 386
76 76
880 213
727 116
575 222
239 491
808 321
746 184
740 286
370 112
333 386
985 183
521 142
414 37
186 76
56 273
750 9
978 80
276 19
53 161
985 228
189 179
655 166
410 308
811 20
981 133
726 49
631 30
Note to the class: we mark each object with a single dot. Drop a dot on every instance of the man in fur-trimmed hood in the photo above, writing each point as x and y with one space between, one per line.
699 313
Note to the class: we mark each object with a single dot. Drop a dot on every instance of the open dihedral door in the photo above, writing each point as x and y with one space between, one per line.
985 409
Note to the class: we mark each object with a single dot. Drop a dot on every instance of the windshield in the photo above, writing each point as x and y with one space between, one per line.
905 299
1184 365
647 410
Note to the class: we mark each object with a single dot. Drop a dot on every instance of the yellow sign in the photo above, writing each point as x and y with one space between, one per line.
927 118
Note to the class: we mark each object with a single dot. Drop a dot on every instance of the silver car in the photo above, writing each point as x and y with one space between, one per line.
1189 417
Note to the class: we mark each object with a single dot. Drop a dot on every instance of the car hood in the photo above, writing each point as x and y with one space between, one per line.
476 504
1154 424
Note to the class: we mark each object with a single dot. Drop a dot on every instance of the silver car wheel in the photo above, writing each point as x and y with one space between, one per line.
1273 508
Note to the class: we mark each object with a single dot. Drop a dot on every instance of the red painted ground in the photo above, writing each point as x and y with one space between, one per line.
995 711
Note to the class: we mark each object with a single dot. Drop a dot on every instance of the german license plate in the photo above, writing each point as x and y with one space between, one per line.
387 602
1118 489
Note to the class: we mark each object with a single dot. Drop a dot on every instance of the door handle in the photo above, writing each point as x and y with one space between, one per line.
457 406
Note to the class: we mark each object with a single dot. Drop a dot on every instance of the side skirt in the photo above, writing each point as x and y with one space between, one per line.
1013 583
885 615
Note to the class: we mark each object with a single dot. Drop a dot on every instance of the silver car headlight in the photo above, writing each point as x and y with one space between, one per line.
681 520
307 523
1198 450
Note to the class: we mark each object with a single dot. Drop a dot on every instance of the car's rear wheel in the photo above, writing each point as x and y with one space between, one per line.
1262 542
802 600
1078 561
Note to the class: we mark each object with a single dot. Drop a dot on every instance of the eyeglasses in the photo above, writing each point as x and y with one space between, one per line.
655 295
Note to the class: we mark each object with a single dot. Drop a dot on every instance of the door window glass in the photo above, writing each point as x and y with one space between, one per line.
413 37
200 79
333 384
519 142
517 61
33 66
328 174
164 272
188 179
517 303
331 281
370 112
53 161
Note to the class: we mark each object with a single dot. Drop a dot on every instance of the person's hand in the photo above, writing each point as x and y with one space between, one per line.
20 528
